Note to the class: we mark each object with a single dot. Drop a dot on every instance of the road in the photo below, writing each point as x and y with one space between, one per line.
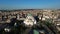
47 29
27 30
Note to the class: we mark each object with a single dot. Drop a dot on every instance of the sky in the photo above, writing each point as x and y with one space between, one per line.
29 4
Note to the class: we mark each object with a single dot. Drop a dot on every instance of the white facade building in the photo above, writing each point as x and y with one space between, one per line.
29 21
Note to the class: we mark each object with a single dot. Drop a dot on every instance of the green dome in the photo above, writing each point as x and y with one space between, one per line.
29 14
